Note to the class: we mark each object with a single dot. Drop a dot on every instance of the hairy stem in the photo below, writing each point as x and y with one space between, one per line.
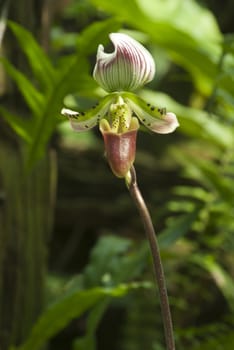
131 181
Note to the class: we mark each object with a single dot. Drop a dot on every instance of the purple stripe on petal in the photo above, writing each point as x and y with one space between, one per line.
127 68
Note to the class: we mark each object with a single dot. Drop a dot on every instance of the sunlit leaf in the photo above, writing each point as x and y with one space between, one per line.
179 13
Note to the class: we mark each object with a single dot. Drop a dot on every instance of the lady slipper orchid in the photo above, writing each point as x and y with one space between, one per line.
129 67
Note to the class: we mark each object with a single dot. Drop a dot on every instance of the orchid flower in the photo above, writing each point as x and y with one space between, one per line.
127 68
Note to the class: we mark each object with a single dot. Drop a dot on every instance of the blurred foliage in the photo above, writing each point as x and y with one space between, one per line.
108 275
188 175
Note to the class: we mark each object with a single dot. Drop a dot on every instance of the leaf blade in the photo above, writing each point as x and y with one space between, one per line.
32 96
39 62
58 315
18 124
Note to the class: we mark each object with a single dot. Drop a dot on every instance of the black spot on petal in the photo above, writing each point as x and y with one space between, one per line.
162 111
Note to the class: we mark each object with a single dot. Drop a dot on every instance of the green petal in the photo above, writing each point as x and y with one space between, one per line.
87 120
156 119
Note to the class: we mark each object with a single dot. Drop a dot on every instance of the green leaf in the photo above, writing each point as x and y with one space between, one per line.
18 124
95 34
210 174
213 176
105 259
223 341
33 98
94 318
115 260
39 62
228 43
73 73
196 193
226 81
177 229
225 96
58 315
222 279
179 13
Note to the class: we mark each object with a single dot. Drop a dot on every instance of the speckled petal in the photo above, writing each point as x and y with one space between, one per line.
127 68
87 120
156 119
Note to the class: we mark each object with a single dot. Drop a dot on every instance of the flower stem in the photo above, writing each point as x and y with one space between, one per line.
131 181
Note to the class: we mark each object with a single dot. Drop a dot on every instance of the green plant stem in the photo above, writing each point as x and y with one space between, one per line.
131 181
